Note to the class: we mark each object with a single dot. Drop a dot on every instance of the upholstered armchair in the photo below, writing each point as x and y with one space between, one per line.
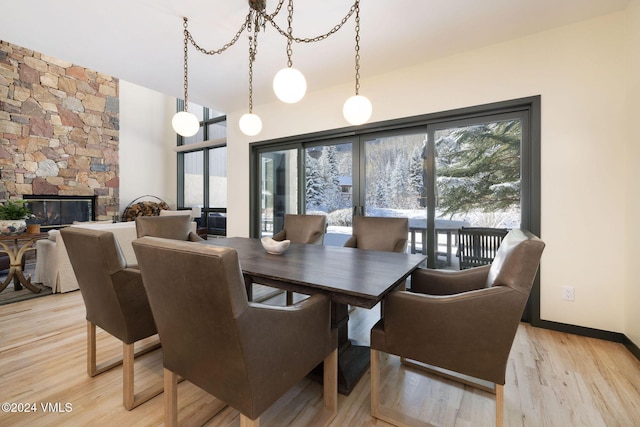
245 354
460 321
379 233
307 229
115 301
176 227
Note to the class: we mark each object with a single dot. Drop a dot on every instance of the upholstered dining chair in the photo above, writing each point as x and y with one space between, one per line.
115 301
213 337
176 227
306 229
461 321
379 233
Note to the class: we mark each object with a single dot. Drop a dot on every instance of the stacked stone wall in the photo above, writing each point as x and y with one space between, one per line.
59 126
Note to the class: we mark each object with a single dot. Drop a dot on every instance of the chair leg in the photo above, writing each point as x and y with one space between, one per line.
170 398
92 368
499 405
248 422
91 349
330 381
375 382
128 392
386 414
329 392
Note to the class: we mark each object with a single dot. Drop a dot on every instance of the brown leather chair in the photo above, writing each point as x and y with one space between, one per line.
213 337
461 321
176 227
379 233
307 229
115 301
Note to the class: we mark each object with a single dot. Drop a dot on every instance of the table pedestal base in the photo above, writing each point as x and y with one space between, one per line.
353 362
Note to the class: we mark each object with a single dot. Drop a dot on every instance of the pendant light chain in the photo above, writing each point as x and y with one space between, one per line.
253 50
357 5
255 20
186 67
289 33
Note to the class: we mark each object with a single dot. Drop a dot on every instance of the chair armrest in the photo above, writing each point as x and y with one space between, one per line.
193 237
445 282
279 236
275 333
400 246
350 243
316 238
132 297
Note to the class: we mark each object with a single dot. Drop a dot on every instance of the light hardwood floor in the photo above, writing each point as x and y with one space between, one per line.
553 379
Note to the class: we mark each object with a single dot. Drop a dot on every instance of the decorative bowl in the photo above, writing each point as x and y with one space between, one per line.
9 227
274 247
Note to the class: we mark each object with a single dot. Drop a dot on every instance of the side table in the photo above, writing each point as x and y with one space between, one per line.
15 246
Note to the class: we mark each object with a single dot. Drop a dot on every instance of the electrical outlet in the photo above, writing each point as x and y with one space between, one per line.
568 293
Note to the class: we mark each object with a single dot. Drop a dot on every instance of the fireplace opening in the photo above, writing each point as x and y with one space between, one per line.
53 212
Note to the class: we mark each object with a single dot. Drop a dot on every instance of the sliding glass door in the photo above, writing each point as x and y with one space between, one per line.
279 194
328 180
472 169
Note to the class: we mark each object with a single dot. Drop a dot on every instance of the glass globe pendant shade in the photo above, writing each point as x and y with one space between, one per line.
185 123
289 85
250 124
357 109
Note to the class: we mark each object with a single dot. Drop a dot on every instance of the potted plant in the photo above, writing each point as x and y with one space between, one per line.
13 216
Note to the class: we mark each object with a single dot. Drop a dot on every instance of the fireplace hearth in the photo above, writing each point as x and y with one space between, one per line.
53 212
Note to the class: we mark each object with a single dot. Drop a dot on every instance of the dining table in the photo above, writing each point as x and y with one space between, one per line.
350 276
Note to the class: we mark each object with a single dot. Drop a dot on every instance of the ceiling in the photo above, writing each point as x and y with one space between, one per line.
141 40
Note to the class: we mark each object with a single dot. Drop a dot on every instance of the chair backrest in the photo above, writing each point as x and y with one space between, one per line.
176 227
100 268
478 245
197 294
381 233
245 354
307 229
516 262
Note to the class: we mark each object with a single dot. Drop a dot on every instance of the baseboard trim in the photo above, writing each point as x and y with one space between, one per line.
632 347
581 330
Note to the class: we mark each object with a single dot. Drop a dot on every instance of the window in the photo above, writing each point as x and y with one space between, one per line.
478 166
202 169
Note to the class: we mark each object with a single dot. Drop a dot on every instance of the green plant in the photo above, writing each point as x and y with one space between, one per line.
14 209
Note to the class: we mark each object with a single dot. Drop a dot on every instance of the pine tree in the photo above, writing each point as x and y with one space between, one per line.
314 187
478 168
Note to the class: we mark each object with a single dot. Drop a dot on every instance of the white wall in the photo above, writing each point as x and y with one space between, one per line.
579 71
632 231
147 143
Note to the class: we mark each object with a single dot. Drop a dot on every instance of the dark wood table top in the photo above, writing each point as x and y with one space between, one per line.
23 236
351 276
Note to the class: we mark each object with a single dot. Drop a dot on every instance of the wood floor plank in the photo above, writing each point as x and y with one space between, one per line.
553 379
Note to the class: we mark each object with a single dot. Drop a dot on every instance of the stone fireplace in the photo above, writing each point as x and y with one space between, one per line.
59 211
59 131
